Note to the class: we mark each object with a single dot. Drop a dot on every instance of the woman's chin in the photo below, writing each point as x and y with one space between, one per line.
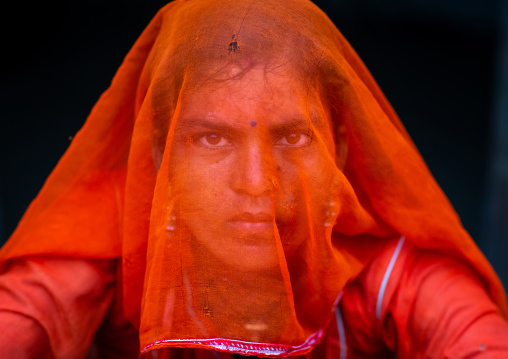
247 254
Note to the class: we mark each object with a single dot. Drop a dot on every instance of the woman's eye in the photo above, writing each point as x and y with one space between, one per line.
294 139
213 140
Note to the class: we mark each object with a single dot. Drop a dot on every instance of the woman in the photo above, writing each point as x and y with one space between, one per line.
264 200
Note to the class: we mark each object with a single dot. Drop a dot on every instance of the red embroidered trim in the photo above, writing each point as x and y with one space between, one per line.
241 347
237 346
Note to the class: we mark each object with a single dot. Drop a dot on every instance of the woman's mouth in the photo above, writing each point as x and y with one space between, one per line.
252 222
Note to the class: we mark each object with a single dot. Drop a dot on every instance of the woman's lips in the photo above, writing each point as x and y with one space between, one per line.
252 222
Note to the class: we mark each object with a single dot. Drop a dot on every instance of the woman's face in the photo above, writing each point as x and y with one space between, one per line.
251 162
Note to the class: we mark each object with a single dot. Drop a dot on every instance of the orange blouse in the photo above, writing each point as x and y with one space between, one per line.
417 304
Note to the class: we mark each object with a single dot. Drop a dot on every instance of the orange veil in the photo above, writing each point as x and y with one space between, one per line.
245 166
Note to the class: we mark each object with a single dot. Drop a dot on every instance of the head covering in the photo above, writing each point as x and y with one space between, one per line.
246 167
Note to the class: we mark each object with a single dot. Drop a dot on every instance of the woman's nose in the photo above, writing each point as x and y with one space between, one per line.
253 174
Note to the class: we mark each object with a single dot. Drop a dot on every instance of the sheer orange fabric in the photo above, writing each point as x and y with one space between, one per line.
246 167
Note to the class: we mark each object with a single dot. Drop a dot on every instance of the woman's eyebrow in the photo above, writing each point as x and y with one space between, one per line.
298 121
198 123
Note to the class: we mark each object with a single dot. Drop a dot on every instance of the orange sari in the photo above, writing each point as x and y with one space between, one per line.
246 168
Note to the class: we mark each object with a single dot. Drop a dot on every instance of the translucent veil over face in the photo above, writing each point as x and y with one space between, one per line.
252 188
245 166
249 185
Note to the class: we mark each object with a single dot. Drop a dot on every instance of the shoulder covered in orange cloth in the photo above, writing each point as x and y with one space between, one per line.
248 171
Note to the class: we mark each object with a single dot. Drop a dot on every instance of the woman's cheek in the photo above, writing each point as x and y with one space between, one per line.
205 188
321 176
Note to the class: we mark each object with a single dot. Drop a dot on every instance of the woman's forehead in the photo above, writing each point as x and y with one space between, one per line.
255 95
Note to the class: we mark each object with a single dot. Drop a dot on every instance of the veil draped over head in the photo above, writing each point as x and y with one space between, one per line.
245 166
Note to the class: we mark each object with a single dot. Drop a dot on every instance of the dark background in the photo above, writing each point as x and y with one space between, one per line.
440 63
